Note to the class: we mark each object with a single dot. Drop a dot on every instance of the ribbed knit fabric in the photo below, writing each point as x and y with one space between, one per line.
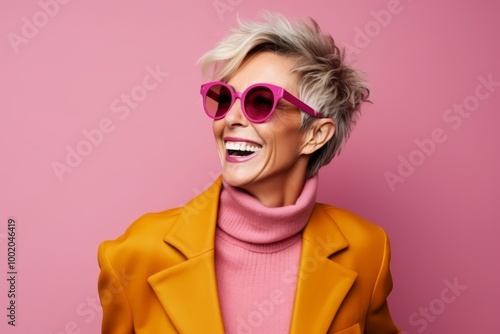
257 253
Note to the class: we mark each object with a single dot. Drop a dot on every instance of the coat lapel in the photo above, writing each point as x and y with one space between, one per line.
322 283
188 290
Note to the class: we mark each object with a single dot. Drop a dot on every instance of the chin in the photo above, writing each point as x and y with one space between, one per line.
235 180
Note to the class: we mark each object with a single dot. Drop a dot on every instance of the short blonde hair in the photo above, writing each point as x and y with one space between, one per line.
325 81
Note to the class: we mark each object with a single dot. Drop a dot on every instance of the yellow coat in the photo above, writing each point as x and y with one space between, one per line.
159 276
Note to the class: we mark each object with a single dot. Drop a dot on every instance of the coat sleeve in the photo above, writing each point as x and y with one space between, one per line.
379 319
116 316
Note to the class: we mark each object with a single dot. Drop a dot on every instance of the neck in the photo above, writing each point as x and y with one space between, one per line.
247 219
278 191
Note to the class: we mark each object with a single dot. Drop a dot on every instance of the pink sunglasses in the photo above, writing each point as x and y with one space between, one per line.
258 101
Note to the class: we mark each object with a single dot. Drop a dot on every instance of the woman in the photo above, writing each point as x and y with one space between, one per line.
255 253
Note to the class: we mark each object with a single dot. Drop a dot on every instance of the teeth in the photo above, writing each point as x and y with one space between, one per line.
241 147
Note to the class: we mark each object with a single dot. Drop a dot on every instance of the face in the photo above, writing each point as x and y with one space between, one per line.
262 156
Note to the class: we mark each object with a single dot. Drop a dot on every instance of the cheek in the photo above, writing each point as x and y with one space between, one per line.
285 127
283 141
217 128
286 131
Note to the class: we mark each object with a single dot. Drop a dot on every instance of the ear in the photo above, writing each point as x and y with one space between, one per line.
318 134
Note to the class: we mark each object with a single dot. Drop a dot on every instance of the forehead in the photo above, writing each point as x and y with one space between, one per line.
265 67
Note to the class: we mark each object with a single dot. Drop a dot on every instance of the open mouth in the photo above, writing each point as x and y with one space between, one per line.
241 149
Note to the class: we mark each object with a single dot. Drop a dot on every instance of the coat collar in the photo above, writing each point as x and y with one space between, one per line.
194 231
322 283
188 290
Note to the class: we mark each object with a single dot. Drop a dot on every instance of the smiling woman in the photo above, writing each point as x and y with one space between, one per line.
260 255
275 174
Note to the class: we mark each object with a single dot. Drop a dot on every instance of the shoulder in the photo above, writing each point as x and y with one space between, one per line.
151 224
355 228
144 236
367 248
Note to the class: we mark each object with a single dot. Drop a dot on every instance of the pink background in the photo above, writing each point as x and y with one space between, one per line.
69 75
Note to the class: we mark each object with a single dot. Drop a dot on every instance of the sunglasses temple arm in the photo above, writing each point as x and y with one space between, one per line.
301 105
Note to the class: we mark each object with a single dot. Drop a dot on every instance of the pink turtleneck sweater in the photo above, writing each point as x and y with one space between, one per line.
257 253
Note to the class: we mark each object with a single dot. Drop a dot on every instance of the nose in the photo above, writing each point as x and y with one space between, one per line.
235 116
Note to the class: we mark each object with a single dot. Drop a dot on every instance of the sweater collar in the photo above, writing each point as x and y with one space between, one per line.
244 218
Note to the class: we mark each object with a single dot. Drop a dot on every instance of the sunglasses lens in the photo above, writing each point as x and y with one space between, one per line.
218 101
259 102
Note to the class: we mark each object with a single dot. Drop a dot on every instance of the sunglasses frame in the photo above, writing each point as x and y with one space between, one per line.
278 93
